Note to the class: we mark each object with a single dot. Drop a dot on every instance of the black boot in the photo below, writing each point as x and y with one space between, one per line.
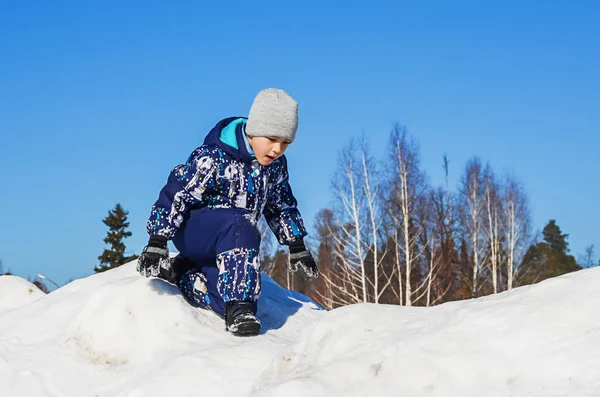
240 319
179 265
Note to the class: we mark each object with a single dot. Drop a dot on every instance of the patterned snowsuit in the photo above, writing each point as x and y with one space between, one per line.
210 207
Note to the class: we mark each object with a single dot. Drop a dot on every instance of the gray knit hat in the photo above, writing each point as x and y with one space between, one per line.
273 113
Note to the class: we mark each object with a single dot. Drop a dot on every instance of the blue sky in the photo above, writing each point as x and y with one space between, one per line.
99 100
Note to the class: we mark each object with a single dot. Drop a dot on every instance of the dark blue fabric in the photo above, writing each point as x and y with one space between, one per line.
217 175
224 244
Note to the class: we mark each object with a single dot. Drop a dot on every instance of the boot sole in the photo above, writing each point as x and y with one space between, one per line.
250 328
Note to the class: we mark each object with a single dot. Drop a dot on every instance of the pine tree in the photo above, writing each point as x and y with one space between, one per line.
547 259
117 225
555 238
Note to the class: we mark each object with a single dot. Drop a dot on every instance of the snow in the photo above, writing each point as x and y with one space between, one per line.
16 292
119 334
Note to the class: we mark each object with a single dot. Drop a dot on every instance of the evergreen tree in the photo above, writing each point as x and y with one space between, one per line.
547 259
117 225
555 238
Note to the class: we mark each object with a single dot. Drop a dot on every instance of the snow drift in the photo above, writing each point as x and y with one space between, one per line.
119 334
16 292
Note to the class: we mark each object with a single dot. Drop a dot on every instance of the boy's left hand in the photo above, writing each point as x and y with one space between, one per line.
301 257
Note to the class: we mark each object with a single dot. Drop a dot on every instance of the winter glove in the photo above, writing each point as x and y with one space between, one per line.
300 256
154 257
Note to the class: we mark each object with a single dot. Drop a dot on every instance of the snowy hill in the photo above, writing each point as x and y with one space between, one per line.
16 292
119 334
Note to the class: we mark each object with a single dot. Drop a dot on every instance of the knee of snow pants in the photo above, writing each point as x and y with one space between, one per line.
224 244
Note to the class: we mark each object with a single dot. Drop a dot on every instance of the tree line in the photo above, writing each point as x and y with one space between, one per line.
391 237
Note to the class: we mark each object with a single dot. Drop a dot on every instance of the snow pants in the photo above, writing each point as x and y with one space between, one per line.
224 246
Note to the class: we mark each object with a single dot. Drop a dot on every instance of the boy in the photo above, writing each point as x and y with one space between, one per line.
210 207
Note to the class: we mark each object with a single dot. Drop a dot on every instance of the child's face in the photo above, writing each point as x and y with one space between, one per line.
268 149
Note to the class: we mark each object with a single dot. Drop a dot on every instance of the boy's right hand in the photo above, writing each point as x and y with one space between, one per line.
154 256
300 257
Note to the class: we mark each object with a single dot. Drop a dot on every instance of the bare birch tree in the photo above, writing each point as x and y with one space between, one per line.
516 224
435 272
358 222
585 261
339 282
374 197
407 186
471 194
491 224
347 190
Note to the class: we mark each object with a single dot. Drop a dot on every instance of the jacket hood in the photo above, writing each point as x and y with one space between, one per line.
214 139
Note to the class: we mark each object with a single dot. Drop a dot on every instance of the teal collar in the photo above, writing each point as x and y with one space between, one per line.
248 147
228 135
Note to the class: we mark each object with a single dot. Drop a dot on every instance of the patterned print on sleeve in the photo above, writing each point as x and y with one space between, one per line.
186 186
281 210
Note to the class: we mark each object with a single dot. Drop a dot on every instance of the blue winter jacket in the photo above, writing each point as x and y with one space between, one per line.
226 175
